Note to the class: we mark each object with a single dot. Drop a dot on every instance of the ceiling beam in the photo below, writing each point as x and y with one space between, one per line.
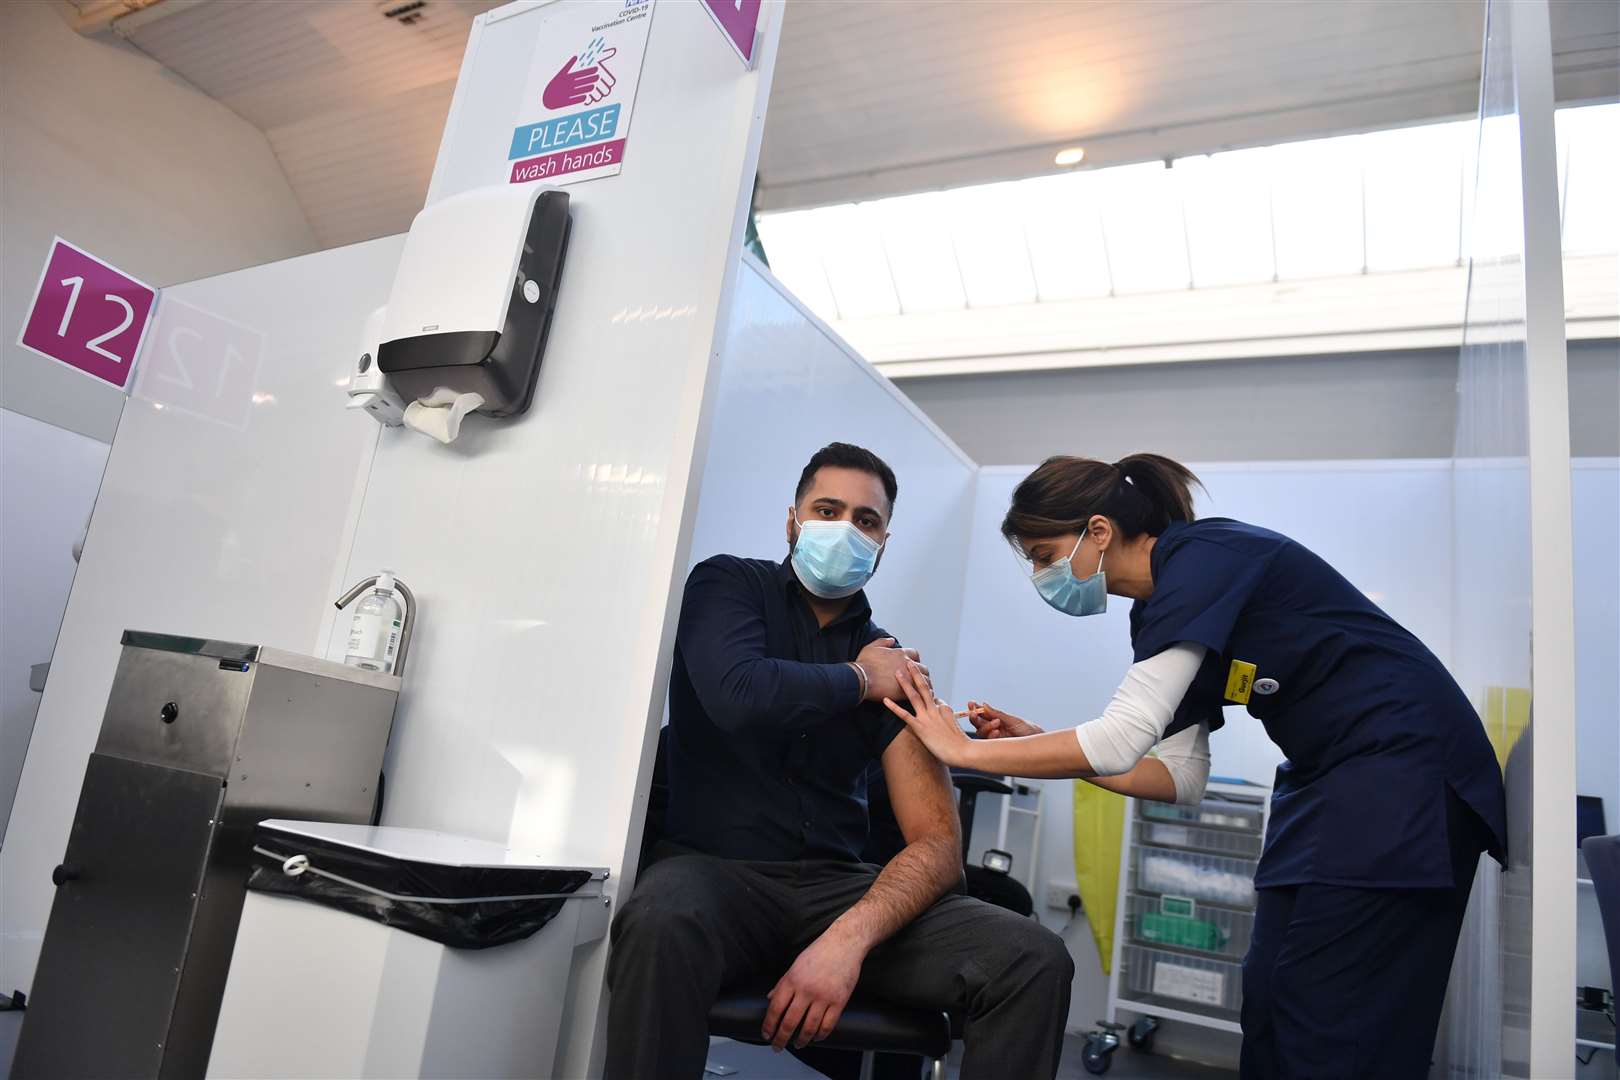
122 17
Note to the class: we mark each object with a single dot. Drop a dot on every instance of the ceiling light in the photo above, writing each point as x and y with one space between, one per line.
1070 155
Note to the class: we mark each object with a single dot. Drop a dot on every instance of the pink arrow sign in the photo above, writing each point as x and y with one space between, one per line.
739 21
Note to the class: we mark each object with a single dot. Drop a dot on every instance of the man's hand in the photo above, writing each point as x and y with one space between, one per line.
810 998
933 721
883 663
992 723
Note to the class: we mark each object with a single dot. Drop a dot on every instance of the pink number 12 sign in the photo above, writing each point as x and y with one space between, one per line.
88 315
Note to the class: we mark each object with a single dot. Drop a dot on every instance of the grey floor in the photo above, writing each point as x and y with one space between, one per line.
759 1063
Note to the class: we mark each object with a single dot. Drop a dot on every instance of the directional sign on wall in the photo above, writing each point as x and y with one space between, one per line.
88 315
739 22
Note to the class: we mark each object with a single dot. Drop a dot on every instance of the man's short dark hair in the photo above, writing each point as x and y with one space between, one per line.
843 455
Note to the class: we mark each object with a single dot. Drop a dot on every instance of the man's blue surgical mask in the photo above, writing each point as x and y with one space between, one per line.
833 559
1071 595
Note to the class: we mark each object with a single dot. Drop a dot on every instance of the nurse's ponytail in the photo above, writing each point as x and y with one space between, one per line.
1142 493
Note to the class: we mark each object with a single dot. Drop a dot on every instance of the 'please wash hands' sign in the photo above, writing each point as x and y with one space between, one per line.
580 91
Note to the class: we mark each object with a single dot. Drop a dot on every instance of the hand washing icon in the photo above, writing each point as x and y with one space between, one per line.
583 79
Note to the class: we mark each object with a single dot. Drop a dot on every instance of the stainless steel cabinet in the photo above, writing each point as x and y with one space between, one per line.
201 740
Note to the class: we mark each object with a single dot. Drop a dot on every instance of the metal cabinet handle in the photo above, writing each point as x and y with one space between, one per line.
64 874
169 712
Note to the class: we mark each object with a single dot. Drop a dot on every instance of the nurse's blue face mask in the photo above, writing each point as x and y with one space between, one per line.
1071 595
833 559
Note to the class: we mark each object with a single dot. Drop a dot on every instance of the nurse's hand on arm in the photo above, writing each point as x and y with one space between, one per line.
1047 755
1110 751
1148 780
806 1003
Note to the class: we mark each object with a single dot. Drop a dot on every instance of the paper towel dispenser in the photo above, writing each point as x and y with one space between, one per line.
474 295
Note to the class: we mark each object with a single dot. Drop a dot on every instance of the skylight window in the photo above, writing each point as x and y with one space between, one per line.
1385 201
1142 221
1316 208
1066 248
1227 202
987 228
1413 189
1589 143
920 253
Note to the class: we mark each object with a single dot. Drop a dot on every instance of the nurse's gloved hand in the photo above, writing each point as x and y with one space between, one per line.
806 1003
991 723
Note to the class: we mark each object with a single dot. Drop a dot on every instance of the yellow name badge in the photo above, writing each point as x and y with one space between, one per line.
1240 682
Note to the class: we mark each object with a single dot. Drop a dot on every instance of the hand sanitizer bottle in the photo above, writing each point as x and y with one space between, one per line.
374 633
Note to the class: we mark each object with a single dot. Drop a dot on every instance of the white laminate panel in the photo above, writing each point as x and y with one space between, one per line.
223 518
547 550
788 386
48 481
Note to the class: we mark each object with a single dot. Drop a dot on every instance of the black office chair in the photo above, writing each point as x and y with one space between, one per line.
1603 860
866 1026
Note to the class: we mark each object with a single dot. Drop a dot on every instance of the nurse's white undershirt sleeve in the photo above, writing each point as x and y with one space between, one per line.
1143 706
1186 756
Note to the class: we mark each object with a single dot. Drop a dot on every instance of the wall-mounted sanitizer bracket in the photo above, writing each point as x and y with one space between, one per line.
369 388
474 295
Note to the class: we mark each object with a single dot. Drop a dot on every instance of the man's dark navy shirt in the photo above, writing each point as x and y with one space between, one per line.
769 742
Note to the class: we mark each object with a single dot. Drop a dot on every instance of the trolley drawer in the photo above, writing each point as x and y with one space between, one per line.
1211 879
1179 981
1211 813
1159 922
1196 838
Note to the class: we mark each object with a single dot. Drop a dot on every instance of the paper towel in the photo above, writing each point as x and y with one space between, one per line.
439 414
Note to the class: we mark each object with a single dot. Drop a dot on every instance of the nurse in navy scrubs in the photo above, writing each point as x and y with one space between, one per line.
1378 817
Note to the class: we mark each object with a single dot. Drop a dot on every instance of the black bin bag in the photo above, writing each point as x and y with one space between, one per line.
464 907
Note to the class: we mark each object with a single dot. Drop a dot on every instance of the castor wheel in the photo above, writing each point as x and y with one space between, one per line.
1141 1034
1099 1049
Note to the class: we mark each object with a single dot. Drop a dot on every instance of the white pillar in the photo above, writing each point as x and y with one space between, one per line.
1552 581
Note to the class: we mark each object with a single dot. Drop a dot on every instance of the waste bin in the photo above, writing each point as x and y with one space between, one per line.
387 952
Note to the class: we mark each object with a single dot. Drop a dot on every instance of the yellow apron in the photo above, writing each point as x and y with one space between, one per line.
1099 830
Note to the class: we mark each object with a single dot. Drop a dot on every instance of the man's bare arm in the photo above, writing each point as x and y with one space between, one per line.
806 1002
931 861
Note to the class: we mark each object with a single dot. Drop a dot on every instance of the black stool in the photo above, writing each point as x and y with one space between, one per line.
868 1026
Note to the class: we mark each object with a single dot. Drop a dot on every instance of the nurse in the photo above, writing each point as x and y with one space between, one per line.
1390 791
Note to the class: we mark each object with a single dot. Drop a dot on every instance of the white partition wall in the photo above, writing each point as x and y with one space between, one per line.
223 512
51 479
788 386
547 552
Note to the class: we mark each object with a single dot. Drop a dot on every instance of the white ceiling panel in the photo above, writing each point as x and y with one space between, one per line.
276 62
352 100
874 99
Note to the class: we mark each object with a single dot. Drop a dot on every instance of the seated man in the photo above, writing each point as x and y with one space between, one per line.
774 717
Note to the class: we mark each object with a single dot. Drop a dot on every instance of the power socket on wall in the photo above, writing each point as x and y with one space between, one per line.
1062 896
